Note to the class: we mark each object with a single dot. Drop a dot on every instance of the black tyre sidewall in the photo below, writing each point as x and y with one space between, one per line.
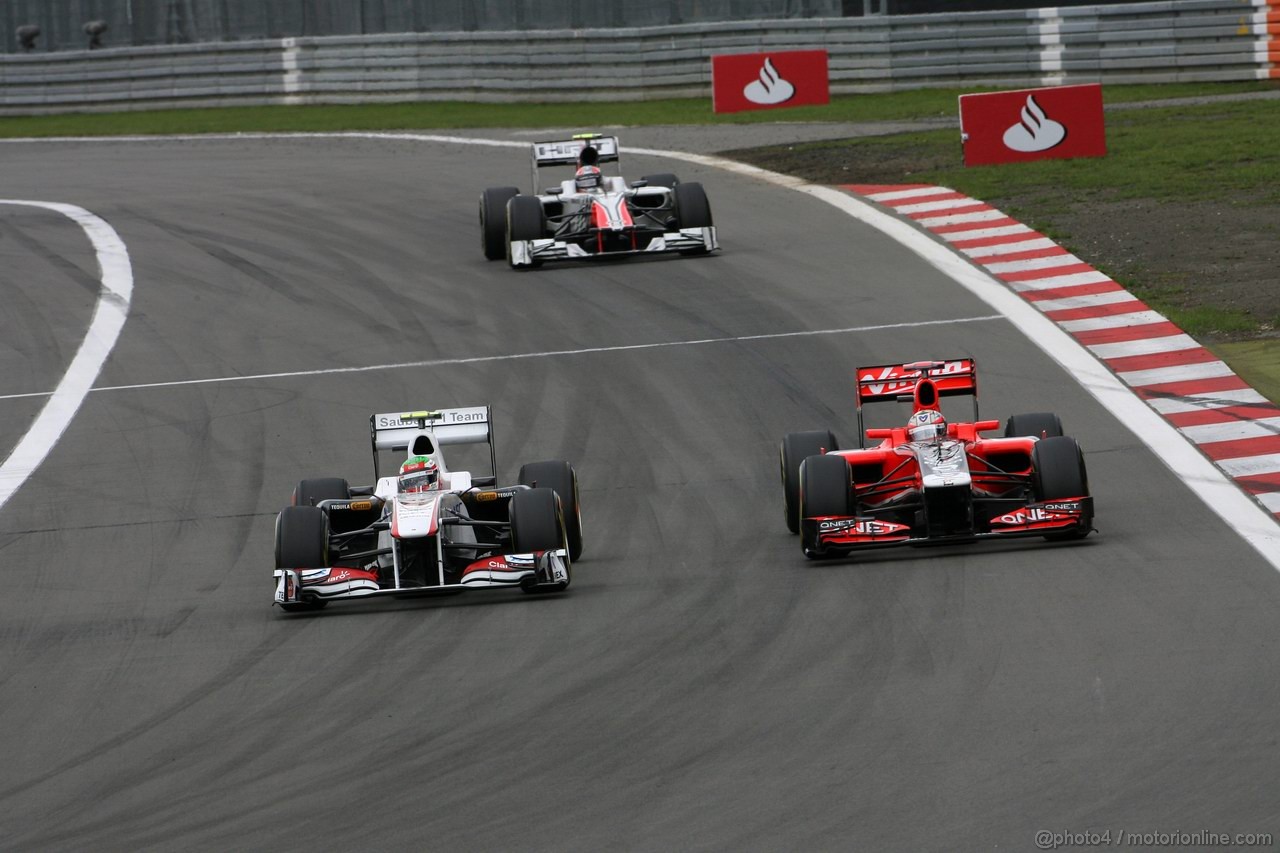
796 447
535 521
560 477
824 489
311 492
1033 424
693 210
1059 469
662 179
525 220
493 221
302 538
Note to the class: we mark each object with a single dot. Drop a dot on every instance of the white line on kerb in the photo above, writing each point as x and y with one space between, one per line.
440 362
108 319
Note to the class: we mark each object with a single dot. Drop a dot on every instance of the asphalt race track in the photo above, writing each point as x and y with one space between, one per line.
701 686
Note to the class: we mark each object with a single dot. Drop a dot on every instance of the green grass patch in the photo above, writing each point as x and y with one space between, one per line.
1207 152
1257 362
916 104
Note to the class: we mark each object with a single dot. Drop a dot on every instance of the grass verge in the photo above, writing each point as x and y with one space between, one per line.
441 115
1257 362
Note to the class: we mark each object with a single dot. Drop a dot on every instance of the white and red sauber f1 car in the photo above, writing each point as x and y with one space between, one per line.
336 541
933 482
568 221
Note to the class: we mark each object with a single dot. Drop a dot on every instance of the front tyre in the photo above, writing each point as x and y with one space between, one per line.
824 491
563 480
537 525
1058 473
493 221
302 538
692 210
526 220
796 447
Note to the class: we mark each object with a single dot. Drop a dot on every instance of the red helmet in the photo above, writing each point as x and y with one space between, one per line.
419 474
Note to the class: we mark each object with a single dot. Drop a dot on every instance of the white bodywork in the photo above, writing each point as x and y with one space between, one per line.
526 252
943 462
612 196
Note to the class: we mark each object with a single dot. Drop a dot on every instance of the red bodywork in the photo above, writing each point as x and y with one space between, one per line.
995 475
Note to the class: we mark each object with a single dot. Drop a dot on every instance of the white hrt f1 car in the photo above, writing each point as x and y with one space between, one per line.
593 215
462 532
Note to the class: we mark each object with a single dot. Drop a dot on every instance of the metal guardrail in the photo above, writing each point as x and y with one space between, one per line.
1159 42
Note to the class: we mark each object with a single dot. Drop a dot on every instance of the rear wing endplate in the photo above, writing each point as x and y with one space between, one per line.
954 377
468 425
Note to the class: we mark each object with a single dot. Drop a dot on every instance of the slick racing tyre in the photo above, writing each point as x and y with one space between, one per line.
1035 424
824 490
493 221
692 208
525 221
311 492
662 179
537 525
796 447
1058 472
302 538
561 478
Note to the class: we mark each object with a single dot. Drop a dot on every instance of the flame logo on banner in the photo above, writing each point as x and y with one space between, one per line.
1036 131
770 88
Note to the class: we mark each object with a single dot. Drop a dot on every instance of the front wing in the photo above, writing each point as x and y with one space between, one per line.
525 253
849 533
547 569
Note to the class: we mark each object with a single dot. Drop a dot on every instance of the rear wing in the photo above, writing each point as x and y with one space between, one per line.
955 377
469 425
565 152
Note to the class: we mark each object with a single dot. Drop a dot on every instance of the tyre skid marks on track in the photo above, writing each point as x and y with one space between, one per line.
1163 365
1064 341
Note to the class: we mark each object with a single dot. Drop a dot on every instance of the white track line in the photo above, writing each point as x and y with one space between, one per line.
440 362
108 319
1220 495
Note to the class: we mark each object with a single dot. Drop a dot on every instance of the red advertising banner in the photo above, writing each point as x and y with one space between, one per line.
1033 124
765 81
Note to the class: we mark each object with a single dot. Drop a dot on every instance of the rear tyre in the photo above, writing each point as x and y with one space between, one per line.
1059 473
692 208
525 221
563 480
824 490
537 525
662 179
796 447
302 538
311 492
493 221
1035 424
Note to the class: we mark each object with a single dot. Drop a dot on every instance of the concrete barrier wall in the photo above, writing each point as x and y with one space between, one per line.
1160 42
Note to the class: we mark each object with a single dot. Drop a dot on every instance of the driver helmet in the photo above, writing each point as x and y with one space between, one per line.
587 178
419 474
926 424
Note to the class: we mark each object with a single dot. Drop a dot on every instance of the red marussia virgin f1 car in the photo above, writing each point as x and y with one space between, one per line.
933 482
412 535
